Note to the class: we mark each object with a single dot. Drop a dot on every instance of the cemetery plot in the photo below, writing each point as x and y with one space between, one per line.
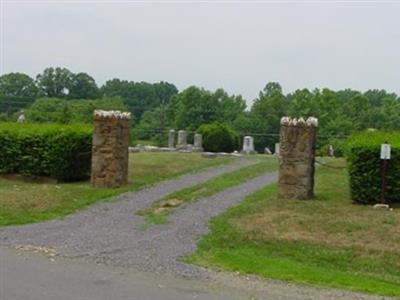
327 241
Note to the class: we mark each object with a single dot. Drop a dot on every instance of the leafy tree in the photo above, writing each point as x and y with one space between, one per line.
194 107
83 86
139 96
48 110
55 82
151 126
17 90
303 104
229 107
266 112
376 98
17 85
55 110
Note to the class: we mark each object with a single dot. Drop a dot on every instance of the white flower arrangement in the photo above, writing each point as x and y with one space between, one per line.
311 121
112 114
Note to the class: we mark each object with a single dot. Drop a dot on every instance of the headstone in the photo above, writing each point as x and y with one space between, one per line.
297 158
21 118
171 139
331 151
267 151
277 149
134 149
110 148
198 142
248 145
182 140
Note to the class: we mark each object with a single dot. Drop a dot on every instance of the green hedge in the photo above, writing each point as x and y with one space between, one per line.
363 155
59 151
219 137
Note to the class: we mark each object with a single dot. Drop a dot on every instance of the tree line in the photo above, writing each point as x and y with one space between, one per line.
59 95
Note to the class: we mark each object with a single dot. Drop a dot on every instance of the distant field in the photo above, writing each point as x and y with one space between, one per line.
25 202
327 241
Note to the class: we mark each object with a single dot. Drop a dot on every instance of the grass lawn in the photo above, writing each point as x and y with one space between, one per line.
327 241
25 202
157 213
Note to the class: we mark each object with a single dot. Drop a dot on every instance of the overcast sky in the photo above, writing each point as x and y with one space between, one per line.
239 46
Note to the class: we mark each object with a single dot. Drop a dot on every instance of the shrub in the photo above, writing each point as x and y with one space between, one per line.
363 155
219 137
59 151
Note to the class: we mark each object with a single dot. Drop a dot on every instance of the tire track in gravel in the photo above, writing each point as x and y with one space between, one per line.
110 233
61 231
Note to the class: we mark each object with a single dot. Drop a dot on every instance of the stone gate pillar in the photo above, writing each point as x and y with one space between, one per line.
297 158
110 148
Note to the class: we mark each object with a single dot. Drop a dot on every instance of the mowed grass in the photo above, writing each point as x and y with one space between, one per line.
25 202
327 241
158 212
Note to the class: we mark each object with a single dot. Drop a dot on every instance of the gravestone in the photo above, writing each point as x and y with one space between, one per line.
331 151
277 149
198 142
248 145
21 118
297 158
110 148
171 139
267 150
182 140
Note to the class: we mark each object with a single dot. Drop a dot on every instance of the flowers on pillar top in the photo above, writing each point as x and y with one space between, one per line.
288 121
112 114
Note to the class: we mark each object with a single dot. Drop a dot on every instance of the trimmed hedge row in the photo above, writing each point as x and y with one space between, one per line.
58 151
363 156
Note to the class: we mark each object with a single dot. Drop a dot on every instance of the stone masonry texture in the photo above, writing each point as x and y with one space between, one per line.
297 158
110 149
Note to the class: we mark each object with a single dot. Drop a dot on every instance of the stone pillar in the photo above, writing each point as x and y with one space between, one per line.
110 148
248 145
297 158
182 139
171 139
198 142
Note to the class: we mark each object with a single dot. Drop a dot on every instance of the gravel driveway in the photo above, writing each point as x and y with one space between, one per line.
111 232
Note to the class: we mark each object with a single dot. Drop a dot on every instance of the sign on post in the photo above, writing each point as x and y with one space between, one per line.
385 151
385 156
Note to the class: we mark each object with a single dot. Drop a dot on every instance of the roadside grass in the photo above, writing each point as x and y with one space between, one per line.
26 201
158 212
328 241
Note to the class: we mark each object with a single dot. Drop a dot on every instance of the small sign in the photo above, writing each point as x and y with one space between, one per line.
385 151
